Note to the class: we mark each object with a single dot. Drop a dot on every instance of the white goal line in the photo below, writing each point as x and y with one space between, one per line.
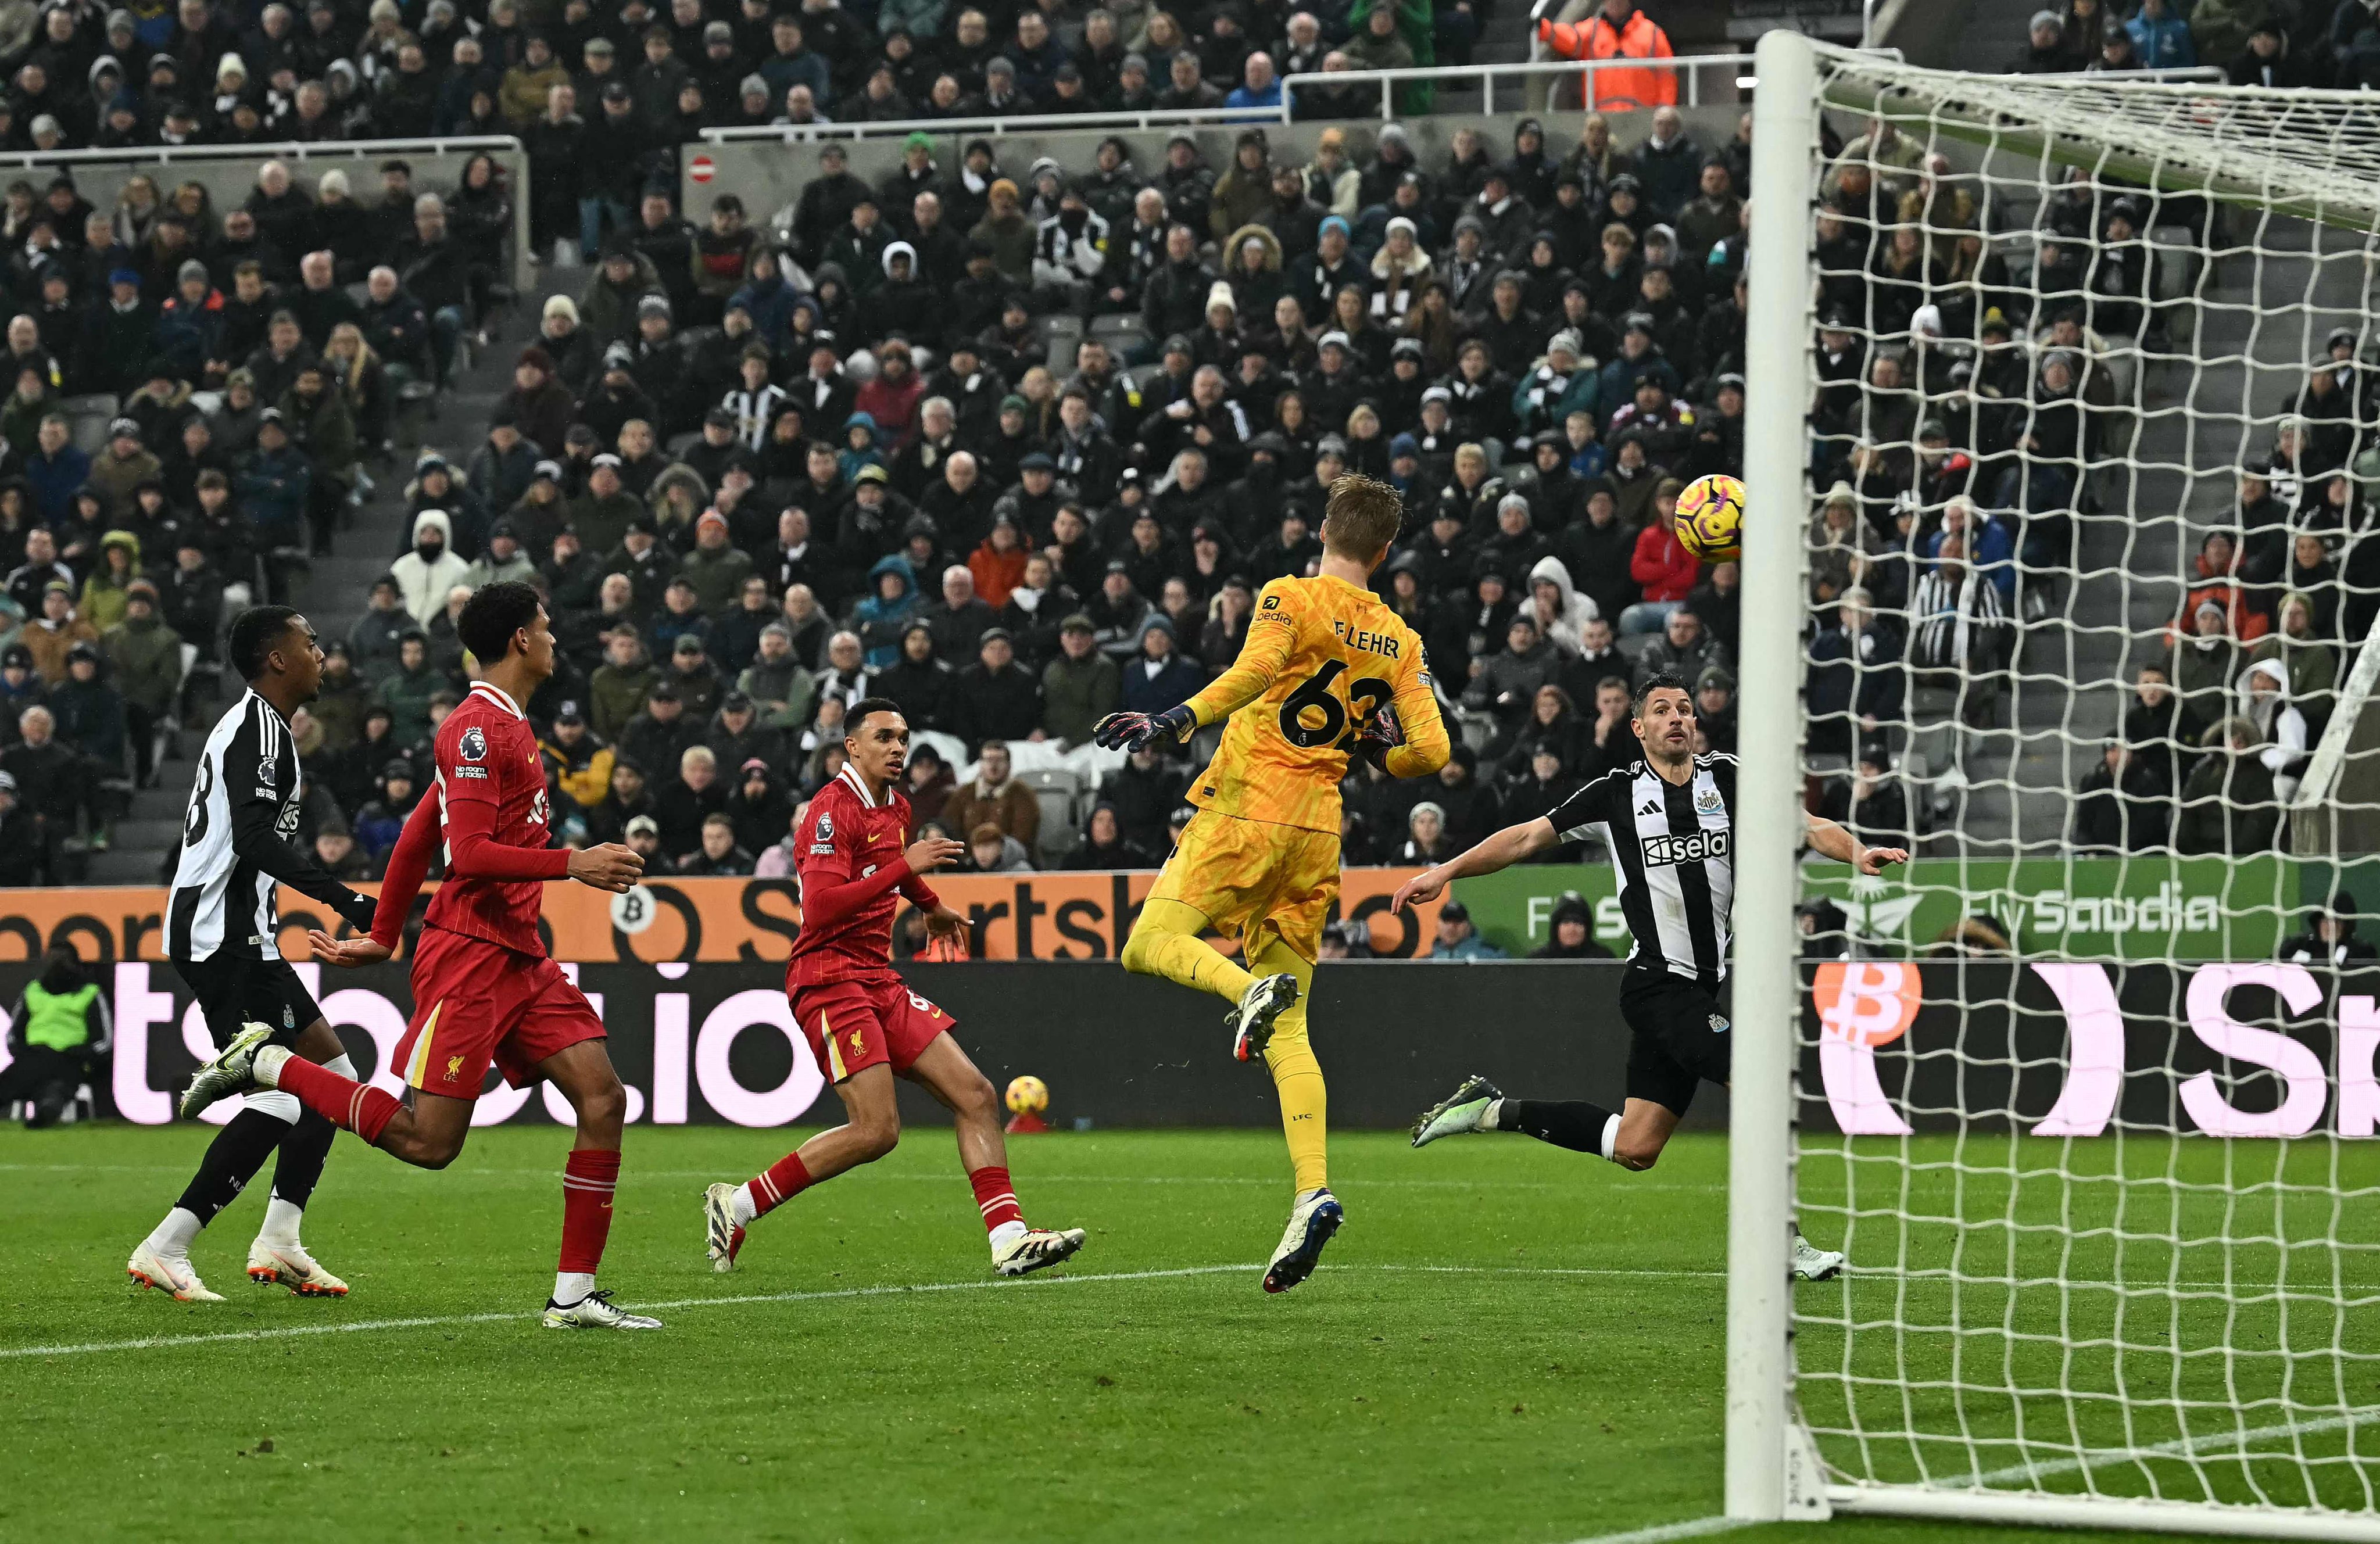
431 1321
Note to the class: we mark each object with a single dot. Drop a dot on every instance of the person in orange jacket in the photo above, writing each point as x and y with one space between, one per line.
1619 30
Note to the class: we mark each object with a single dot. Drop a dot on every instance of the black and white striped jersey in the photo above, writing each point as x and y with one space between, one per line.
1674 845
236 843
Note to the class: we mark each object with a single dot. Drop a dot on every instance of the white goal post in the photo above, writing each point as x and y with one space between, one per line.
2111 1203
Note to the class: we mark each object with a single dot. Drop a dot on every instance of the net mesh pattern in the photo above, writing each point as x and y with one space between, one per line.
2089 393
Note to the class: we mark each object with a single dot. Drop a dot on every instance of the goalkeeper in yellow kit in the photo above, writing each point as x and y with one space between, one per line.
1327 671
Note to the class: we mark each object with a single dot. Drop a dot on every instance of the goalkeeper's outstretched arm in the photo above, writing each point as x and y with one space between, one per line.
1502 850
1829 840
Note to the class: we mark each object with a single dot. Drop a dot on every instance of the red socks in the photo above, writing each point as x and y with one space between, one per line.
341 1100
995 1196
778 1184
587 1181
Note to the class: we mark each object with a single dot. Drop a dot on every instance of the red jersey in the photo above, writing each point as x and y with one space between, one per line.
490 786
848 856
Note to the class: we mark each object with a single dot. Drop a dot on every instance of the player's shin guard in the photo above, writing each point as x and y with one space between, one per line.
995 1196
1296 1076
587 1181
1571 1123
232 1160
303 1152
343 1101
1166 942
776 1185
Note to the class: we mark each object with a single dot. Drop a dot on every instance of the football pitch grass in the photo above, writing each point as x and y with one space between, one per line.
1507 1342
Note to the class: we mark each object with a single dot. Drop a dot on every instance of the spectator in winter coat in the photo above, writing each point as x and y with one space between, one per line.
2161 37
424 575
1080 687
1662 568
995 797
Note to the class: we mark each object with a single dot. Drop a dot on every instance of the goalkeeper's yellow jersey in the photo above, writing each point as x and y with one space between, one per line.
1321 657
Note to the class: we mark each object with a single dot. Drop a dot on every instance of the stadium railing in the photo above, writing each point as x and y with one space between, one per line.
228 171
1690 68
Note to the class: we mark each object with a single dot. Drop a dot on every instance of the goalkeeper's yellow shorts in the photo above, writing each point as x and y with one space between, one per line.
1249 877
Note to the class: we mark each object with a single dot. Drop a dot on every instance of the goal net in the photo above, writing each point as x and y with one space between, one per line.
2062 456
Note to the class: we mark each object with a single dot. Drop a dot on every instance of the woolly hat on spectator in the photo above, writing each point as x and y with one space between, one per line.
1177 344
193 268
1333 339
618 357
1568 342
1403 445
1219 294
1409 227
1337 220
1332 445
1437 393
123 429
536 359
124 276
709 517
653 305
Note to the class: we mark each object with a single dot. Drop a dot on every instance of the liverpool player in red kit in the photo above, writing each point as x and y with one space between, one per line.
864 1024
484 990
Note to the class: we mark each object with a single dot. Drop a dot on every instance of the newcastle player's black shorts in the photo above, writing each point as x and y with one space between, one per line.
234 989
1679 1035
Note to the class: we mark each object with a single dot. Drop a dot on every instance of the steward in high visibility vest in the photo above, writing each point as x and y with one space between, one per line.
1617 31
59 1032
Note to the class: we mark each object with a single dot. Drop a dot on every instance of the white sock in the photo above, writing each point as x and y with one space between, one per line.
1487 1116
570 1286
266 1068
744 1209
281 1220
341 1065
172 1238
1610 1135
1002 1235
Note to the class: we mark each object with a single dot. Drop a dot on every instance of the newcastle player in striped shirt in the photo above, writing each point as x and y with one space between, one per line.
221 932
1667 824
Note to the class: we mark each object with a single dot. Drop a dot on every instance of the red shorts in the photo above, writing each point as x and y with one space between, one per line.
851 1025
475 1002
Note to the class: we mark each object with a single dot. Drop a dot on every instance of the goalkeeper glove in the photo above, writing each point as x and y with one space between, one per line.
1381 733
1132 731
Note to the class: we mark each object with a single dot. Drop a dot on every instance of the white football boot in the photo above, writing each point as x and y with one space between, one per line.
1312 1221
167 1274
229 1071
289 1265
1267 999
1457 1113
722 1233
1814 1264
1035 1250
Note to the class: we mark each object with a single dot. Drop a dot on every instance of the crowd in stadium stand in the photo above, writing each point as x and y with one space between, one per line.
2251 42
761 469
1962 410
762 462
606 95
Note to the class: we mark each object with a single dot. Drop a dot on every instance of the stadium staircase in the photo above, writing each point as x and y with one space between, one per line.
332 595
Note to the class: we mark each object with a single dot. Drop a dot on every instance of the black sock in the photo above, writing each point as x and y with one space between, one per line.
1566 1123
232 1160
302 1152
